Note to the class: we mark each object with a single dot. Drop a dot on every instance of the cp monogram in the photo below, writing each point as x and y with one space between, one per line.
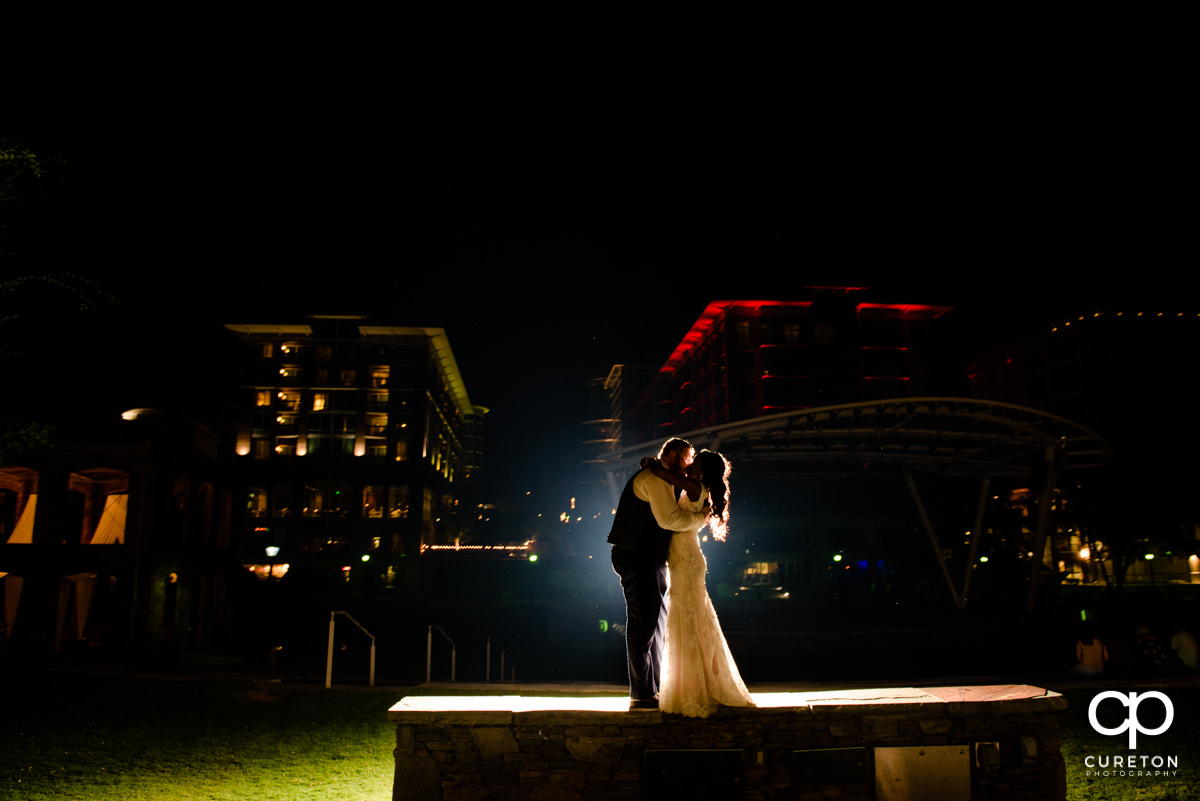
1132 722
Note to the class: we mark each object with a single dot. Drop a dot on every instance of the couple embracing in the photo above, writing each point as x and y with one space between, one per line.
678 659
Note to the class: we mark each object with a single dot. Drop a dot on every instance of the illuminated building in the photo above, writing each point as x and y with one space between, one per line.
355 441
748 360
1125 371
1103 367
615 414
745 358
118 536
833 411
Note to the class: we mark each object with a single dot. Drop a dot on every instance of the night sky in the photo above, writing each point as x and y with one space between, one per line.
557 220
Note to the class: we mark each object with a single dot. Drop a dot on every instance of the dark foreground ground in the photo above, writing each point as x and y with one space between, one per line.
234 729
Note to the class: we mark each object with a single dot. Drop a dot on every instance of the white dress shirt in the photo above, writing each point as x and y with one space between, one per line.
661 497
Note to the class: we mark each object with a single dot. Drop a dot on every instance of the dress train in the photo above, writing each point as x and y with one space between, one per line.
698 672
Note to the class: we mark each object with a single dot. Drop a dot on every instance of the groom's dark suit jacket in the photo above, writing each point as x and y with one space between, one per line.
634 527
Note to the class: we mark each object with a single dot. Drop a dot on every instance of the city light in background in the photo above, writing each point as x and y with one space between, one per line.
636 271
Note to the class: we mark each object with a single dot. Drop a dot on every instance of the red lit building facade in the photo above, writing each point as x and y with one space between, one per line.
745 359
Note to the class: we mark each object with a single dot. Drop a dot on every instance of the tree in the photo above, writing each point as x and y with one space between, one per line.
23 174
17 163
26 298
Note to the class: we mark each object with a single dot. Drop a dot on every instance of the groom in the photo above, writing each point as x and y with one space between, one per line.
646 516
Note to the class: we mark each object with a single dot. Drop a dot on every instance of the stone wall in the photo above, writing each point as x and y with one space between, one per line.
584 755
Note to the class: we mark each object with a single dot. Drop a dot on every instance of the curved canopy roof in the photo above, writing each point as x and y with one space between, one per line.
954 436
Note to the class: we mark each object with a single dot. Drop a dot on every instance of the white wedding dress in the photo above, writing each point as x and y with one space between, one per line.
698 673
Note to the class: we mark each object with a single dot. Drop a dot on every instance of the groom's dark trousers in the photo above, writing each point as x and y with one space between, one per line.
644 582
639 557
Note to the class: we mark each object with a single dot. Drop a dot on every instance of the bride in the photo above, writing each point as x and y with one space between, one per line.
698 673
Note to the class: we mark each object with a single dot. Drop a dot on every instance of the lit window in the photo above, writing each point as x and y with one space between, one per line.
281 497
398 502
759 574
256 502
379 376
289 400
373 500
266 350
742 332
327 498
377 424
267 572
319 399
262 397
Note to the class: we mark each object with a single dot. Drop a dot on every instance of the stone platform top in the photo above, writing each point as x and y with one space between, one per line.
507 709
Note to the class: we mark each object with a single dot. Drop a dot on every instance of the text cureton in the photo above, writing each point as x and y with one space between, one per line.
1130 761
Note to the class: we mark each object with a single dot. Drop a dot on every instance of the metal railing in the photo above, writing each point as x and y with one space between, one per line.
429 652
329 653
488 671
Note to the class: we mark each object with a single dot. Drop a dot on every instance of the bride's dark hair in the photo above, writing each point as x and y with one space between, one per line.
714 472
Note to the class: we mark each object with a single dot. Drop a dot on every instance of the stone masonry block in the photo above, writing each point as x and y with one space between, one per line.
844 727
596 749
584 731
935 726
466 794
495 741
406 740
553 792
417 779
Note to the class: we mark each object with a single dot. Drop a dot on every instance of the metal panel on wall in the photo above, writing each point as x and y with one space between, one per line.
920 773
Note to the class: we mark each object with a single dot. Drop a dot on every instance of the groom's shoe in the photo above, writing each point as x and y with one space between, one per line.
651 703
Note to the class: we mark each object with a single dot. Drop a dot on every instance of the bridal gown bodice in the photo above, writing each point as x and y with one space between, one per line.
698 672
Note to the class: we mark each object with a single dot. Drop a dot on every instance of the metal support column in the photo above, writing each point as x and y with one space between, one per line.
1055 463
933 543
976 536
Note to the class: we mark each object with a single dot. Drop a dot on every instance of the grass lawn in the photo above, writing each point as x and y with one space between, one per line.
81 736
71 736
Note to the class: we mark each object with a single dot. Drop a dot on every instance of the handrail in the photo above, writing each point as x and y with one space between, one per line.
429 652
488 671
329 651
